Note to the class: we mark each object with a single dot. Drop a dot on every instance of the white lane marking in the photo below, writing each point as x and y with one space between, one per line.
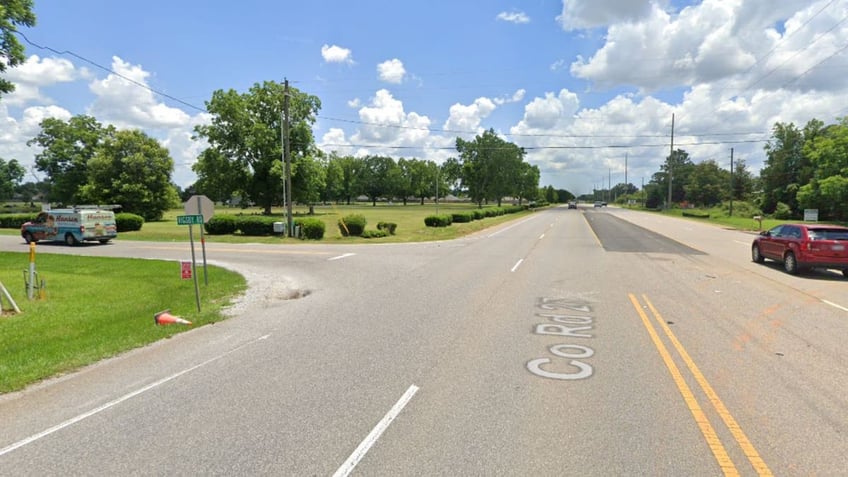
511 226
541 236
339 257
743 243
121 399
517 264
375 433
835 305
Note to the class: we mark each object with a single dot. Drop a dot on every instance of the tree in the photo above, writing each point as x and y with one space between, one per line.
681 166
313 180
11 174
378 177
787 168
827 153
13 13
527 183
490 166
218 177
246 129
708 184
742 182
67 146
133 170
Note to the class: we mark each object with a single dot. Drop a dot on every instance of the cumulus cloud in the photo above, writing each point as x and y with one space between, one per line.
513 17
515 98
36 73
354 103
336 54
127 105
467 118
593 13
391 71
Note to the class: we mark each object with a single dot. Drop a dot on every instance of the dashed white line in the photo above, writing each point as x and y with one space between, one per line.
541 236
121 399
517 264
339 257
375 433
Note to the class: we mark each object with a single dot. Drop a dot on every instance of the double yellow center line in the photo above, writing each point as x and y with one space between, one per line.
713 441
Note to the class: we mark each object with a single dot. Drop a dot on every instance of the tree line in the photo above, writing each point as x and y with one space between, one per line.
84 161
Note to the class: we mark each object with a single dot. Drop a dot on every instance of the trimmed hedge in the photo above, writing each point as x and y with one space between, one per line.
256 225
352 225
438 220
221 225
374 233
462 217
127 222
697 215
14 221
389 227
311 228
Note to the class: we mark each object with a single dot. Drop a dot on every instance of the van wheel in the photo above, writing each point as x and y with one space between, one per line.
28 238
103 240
70 239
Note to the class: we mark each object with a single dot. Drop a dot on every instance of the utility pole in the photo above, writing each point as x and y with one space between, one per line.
670 155
609 184
731 182
287 161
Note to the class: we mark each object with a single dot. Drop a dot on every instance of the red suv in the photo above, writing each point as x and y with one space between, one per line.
804 246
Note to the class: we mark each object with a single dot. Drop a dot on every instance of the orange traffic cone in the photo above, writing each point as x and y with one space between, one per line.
166 318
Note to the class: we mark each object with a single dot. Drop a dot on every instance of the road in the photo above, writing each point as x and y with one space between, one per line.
571 342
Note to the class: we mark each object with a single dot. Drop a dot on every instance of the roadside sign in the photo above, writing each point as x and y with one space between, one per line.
185 270
200 205
189 220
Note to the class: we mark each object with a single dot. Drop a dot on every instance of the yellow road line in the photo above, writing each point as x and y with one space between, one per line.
747 448
714 443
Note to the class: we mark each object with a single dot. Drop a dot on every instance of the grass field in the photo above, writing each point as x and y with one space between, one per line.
96 308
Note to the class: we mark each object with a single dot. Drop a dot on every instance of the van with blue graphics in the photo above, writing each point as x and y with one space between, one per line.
72 226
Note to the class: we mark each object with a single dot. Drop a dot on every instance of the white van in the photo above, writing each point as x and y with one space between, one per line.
72 226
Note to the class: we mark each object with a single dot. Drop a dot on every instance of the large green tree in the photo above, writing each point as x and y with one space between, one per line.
787 168
66 149
827 191
11 175
133 170
247 128
379 177
708 184
681 166
13 13
490 167
218 177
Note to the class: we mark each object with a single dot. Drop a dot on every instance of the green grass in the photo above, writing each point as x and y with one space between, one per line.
96 308
409 220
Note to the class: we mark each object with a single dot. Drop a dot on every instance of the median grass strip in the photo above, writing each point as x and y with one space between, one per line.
96 308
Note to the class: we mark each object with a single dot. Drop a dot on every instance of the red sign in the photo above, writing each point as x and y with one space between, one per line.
185 270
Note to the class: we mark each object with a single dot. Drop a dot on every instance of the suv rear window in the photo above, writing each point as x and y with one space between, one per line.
828 234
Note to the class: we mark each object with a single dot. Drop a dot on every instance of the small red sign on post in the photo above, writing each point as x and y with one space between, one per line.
185 270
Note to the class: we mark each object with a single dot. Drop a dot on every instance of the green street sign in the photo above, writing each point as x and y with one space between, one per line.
189 220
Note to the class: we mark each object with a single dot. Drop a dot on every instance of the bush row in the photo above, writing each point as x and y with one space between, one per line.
257 225
470 215
126 222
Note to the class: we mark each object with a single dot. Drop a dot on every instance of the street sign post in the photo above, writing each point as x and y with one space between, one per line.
203 206
191 221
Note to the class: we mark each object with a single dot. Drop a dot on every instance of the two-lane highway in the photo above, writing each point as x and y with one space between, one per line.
568 342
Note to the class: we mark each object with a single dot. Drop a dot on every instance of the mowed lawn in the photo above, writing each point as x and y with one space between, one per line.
95 308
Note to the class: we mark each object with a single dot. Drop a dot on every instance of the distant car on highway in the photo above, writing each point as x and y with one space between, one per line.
803 246
598 203
572 205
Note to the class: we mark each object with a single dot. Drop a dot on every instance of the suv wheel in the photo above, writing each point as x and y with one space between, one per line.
755 254
790 264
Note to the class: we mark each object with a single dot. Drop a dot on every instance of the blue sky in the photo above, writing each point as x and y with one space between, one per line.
580 83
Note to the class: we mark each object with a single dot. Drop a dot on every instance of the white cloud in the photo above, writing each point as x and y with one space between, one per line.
391 71
593 13
515 98
336 54
36 73
467 118
513 17
354 103
128 105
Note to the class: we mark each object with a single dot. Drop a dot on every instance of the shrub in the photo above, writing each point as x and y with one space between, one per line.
782 211
374 233
221 225
311 228
697 215
438 220
14 221
255 225
478 214
127 222
462 217
352 225
389 227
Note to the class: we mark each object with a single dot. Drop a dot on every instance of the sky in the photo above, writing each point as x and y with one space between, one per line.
587 87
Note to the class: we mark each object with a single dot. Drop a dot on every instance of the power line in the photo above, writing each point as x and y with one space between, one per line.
110 70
